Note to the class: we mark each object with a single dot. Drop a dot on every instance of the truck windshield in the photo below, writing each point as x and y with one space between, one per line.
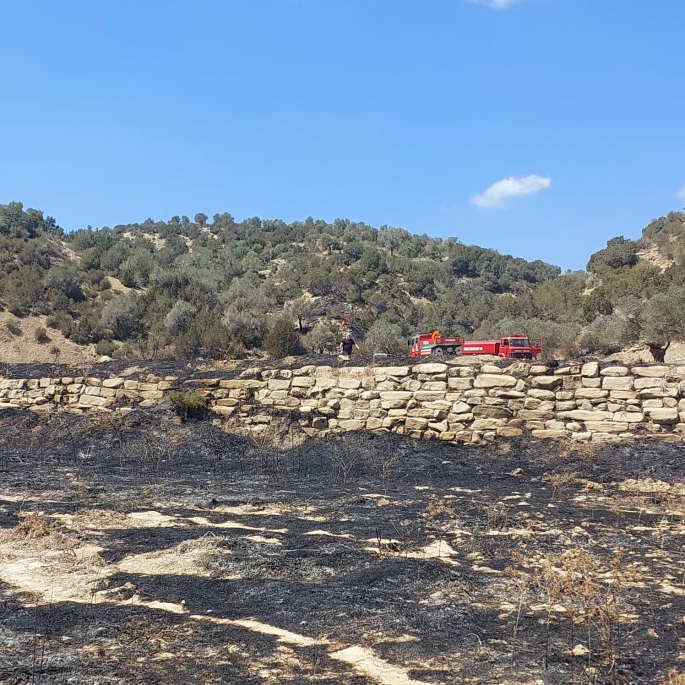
519 342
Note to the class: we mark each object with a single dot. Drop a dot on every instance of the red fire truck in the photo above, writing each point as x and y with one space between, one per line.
434 344
511 347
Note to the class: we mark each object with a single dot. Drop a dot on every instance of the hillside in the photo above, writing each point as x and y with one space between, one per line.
222 289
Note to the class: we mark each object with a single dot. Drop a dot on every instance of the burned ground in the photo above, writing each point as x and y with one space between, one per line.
136 550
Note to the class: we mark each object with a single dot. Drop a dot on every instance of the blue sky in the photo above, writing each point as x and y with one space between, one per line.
541 128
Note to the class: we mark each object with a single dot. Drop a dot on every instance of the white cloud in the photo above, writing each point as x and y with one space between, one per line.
498 192
681 192
497 4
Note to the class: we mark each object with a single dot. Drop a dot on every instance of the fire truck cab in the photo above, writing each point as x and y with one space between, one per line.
434 344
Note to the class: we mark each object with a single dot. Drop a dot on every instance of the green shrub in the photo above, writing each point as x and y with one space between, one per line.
41 335
189 405
13 328
282 339
105 348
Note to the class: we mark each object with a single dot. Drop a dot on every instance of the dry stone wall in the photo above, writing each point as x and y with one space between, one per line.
453 402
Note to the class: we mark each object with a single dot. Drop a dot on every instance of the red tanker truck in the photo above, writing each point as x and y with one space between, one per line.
511 347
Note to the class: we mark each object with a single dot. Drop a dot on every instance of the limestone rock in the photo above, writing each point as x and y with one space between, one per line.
547 382
494 381
430 368
650 371
583 415
615 371
663 416
590 370
617 383
488 412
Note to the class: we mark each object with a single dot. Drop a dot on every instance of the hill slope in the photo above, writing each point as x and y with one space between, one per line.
216 288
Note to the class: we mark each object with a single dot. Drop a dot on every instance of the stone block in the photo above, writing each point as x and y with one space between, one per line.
323 384
487 424
541 394
277 383
374 423
490 368
246 383
550 434
92 390
352 424
572 382
663 416
592 382
428 396
415 423
509 431
583 415
303 382
396 371
606 426
548 382
617 382
650 371
622 395
410 384
113 383
535 415
649 382
629 417
537 370
92 401
439 386
396 396
494 381
223 411
348 383
614 371
485 412
151 394
570 405
461 408
591 393
653 393
165 385
590 370
430 368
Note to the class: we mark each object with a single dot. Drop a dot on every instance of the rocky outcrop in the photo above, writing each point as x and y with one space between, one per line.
453 402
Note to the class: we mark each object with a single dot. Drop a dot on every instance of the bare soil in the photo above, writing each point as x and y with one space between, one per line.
136 550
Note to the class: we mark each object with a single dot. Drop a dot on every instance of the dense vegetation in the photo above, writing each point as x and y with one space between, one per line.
222 288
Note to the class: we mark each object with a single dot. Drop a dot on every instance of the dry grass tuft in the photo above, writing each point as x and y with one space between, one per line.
674 678
34 526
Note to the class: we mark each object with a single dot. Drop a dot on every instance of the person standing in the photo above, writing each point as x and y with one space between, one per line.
347 345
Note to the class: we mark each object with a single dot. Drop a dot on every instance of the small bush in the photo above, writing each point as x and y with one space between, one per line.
13 328
105 348
189 405
41 335
282 339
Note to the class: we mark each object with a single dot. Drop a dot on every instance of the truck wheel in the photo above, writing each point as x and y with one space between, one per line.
437 351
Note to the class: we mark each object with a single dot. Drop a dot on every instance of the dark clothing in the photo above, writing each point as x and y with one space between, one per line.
347 345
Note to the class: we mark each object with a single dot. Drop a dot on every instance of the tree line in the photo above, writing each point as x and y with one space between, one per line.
221 288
